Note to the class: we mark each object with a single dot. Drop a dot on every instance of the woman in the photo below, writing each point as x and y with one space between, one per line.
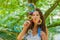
36 25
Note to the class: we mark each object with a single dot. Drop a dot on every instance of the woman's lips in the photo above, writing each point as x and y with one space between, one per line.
35 18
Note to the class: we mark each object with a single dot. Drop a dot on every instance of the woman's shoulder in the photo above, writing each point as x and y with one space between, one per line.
43 33
44 36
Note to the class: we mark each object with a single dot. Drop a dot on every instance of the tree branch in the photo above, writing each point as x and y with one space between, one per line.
51 9
54 24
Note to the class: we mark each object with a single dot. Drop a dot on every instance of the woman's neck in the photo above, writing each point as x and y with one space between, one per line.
35 28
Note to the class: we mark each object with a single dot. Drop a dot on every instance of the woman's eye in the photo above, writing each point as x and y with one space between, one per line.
33 15
37 15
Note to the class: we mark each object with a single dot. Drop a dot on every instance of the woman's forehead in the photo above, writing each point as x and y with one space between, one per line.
35 12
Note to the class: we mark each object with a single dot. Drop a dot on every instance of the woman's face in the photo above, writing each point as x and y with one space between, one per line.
35 17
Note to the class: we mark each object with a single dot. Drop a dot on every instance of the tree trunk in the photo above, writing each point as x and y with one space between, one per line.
32 1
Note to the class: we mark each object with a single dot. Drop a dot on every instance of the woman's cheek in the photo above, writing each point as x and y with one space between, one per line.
33 20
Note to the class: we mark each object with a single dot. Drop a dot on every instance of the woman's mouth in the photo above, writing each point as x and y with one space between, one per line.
35 19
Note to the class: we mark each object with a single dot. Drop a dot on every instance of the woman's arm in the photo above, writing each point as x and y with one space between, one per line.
20 36
43 36
26 25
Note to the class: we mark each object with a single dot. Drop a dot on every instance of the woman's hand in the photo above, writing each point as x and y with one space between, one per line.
26 24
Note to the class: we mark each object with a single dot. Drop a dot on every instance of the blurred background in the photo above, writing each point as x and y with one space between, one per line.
13 13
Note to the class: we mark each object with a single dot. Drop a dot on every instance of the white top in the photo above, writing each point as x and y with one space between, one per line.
31 37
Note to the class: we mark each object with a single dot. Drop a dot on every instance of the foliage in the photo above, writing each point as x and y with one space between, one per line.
13 13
